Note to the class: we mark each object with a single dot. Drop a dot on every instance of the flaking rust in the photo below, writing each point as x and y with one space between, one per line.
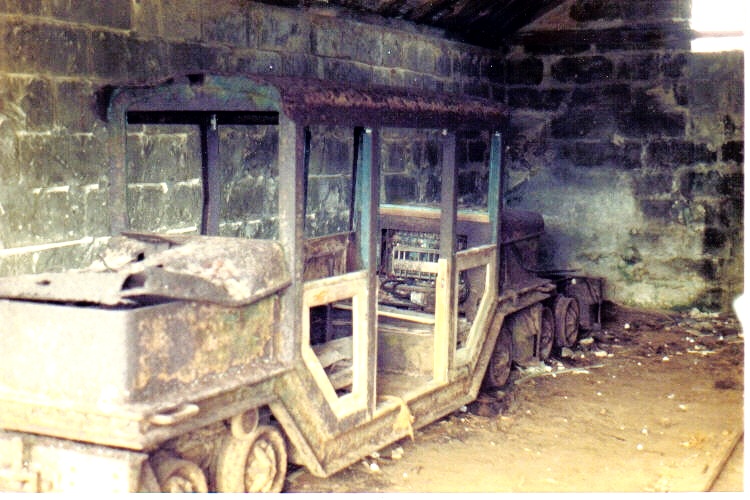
192 344
275 349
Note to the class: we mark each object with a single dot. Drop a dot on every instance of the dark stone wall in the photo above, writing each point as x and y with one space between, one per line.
629 144
632 147
54 163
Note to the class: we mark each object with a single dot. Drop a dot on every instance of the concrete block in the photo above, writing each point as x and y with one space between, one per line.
328 195
284 30
26 103
653 184
74 108
640 67
572 43
694 183
726 213
732 185
66 159
300 65
392 49
594 10
108 49
45 159
400 189
675 65
147 18
640 10
330 155
246 197
328 38
45 48
190 57
31 7
616 96
444 64
493 68
670 153
527 71
147 206
226 21
601 153
395 157
185 205
467 65
112 13
260 62
660 210
56 215
644 121
96 209
9 164
15 216
147 60
476 88
714 240
471 187
367 44
584 123
533 98
733 151
583 69
346 71
164 154
88 159
182 19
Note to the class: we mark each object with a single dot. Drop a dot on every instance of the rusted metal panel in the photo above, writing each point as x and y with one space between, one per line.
41 464
123 361
521 224
385 106
137 268
185 346
169 352
405 347
326 256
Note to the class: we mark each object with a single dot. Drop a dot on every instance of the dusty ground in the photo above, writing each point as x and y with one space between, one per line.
653 402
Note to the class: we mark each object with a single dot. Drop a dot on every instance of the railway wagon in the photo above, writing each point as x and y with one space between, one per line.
200 359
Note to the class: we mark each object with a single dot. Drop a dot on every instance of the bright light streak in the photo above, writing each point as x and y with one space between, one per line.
717 17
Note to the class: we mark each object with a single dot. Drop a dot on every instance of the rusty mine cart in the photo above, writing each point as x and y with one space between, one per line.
201 362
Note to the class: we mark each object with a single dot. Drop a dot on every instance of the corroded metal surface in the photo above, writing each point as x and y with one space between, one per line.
169 352
521 224
326 256
386 106
183 347
78 368
134 268
29 464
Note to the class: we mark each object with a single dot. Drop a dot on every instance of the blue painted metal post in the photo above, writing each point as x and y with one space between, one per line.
367 190
495 200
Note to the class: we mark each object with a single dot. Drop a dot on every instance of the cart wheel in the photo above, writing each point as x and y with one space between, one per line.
179 476
498 370
252 465
567 315
546 334
147 483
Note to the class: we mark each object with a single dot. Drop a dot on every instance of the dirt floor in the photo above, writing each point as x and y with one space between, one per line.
651 403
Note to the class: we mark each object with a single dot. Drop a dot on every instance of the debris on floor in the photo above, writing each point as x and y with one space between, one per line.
630 422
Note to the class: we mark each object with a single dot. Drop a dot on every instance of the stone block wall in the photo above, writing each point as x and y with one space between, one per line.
55 55
629 145
632 148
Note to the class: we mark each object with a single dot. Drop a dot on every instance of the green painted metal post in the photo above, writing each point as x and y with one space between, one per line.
495 200
367 189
